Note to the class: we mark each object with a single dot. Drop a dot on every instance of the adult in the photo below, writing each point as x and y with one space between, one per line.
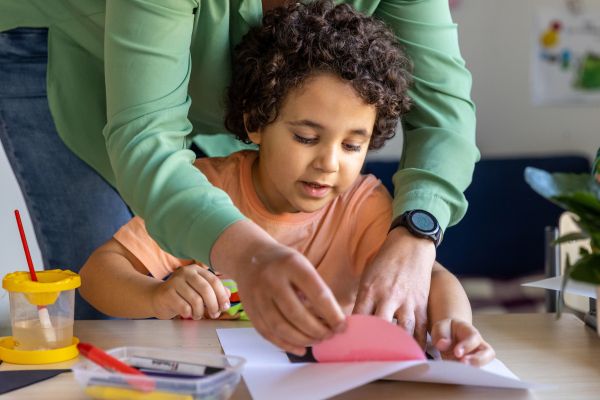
133 84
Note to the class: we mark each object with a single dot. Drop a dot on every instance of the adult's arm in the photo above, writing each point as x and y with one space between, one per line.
439 151
147 68
437 160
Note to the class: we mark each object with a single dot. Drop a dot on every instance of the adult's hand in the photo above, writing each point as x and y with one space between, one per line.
284 296
396 283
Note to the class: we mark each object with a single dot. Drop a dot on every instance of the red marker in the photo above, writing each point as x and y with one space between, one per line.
107 361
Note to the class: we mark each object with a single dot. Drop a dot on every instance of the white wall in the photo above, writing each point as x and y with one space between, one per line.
496 39
12 257
496 42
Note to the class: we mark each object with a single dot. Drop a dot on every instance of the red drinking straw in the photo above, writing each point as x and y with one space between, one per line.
25 246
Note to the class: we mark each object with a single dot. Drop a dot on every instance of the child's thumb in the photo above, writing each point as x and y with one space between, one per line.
441 334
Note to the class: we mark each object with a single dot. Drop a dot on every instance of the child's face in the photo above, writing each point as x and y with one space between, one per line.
315 149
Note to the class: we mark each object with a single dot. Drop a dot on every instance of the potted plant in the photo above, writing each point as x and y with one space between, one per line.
579 194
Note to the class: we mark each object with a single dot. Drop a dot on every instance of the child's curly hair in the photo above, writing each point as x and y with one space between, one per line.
299 40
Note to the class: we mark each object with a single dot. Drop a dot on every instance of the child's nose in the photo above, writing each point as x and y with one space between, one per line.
327 160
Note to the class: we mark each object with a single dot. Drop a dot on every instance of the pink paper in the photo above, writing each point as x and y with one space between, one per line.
369 338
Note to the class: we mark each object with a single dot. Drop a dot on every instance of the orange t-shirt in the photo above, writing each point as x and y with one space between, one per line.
340 239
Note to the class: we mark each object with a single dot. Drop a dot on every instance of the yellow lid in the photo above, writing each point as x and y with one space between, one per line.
54 280
9 354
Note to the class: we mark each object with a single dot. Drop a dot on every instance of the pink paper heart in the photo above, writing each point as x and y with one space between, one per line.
369 338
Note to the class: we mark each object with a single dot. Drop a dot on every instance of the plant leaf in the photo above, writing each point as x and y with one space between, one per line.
587 269
571 237
585 201
558 184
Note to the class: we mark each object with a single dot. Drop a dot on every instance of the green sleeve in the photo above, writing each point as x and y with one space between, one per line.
439 151
15 13
43 13
147 68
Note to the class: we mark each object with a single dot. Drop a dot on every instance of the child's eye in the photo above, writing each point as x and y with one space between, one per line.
352 147
304 140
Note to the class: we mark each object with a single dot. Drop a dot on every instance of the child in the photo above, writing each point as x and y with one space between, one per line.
315 87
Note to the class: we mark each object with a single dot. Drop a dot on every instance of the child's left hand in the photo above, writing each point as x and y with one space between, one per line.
461 341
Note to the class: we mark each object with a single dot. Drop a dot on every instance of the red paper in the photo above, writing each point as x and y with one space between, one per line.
369 338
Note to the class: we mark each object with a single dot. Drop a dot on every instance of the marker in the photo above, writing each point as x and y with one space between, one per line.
169 374
180 367
109 362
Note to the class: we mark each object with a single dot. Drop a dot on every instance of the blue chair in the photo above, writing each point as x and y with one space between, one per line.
502 234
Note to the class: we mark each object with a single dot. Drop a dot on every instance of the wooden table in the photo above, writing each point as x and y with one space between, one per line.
536 347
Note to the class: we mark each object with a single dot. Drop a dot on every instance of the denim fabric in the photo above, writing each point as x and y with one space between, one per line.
72 208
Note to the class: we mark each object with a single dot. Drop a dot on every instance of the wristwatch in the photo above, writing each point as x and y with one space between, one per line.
421 224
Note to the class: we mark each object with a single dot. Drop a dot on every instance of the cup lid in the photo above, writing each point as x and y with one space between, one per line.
54 280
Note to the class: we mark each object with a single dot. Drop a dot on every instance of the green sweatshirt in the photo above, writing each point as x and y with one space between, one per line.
132 82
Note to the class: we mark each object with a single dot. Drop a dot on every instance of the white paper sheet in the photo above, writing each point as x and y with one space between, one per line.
270 375
573 287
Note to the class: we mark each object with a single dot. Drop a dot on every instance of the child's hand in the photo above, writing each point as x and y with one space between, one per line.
191 292
459 340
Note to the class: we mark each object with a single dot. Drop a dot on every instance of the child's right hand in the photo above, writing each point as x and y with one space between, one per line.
191 292
461 341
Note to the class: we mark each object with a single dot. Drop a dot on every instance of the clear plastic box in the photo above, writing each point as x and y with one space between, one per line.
218 383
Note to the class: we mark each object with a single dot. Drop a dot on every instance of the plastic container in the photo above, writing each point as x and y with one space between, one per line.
99 383
41 314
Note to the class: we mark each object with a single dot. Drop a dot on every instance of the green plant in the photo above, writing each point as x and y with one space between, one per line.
579 194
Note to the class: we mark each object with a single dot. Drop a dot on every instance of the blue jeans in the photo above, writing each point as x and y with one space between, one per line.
73 209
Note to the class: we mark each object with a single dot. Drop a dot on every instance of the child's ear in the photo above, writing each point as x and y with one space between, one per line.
253 136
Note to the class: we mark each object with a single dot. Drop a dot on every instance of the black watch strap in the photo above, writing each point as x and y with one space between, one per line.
421 224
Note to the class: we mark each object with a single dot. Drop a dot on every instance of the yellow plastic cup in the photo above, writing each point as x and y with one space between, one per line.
42 312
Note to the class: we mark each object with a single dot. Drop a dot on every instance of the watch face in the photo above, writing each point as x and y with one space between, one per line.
422 221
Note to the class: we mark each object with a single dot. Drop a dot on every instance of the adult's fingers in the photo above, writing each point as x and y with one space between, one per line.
405 318
420 333
365 301
264 322
299 316
320 298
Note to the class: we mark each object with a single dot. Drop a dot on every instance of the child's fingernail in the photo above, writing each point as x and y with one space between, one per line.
225 306
215 315
459 351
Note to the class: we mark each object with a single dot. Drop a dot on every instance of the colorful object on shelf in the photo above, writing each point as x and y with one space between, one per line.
565 67
588 76
551 36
